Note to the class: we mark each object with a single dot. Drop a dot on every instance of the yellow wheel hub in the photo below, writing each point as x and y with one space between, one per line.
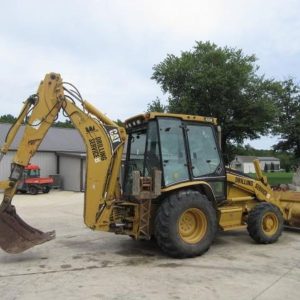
270 223
192 225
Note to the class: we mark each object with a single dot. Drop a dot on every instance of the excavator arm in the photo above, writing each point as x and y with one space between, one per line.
104 142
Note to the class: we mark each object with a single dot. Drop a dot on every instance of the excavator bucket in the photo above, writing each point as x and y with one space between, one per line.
16 236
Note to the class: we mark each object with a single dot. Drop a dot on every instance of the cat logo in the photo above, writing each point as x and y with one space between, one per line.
90 129
114 135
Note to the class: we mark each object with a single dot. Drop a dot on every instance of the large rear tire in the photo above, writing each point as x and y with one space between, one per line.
185 224
265 223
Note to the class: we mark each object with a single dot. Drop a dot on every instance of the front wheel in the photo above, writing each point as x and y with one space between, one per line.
185 224
265 223
32 190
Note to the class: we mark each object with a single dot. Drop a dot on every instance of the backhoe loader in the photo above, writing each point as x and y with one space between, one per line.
175 186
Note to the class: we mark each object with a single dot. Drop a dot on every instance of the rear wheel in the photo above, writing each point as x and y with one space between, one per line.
33 190
46 189
185 224
265 223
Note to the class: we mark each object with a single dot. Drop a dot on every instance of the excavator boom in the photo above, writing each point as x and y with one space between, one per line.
104 142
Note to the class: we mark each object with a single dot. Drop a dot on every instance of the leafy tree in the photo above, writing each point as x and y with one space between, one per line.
120 123
156 106
287 160
11 119
66 124
288 121
8 119
222 83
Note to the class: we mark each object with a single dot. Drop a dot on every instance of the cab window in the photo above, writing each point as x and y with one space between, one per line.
135 157
204 153
152 155
173 152
34 173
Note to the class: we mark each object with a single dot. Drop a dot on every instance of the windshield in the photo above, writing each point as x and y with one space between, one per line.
32 173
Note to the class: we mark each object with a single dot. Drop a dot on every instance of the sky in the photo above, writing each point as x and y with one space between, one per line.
108 48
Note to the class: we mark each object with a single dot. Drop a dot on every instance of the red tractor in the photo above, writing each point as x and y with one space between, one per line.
32 183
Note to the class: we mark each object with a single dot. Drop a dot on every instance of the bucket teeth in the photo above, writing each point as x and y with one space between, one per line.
17 236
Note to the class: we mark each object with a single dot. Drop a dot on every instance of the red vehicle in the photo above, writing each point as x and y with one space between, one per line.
32 183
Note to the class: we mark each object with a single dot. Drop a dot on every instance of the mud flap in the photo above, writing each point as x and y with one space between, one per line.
16 236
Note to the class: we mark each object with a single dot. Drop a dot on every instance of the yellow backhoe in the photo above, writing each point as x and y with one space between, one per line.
175 186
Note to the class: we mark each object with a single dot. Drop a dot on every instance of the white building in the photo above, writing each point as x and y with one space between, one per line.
245 163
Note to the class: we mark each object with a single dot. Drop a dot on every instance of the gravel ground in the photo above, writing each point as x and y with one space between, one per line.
82 264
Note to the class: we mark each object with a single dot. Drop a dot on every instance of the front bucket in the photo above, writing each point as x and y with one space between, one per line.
290 202
16 236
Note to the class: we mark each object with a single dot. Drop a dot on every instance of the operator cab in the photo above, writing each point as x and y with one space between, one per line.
183 147
32 171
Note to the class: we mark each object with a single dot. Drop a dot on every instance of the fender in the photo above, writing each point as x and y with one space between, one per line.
202 186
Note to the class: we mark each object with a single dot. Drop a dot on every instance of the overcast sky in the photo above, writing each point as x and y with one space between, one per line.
108 48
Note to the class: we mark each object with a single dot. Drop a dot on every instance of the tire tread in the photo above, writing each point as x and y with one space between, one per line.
254 223
163 222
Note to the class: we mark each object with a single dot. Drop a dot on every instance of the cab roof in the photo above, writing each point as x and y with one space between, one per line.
32 167
143 118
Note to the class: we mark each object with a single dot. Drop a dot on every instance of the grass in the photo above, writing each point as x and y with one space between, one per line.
276 178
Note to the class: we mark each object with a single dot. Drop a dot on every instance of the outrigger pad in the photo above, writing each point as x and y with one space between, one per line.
17 236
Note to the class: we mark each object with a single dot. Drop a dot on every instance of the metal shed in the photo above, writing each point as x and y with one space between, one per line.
61 152
72 169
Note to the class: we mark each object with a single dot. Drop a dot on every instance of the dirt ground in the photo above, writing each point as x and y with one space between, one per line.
82 264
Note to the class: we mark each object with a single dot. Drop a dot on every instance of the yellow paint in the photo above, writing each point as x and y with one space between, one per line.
103 197
270 223
230 217
192 225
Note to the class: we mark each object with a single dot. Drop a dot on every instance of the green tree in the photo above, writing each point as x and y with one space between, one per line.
156 106
8 119
287 160
66 124
120 123
11 119
288 122
219 82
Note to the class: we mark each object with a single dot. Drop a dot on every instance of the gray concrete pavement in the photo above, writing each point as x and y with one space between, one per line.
82 264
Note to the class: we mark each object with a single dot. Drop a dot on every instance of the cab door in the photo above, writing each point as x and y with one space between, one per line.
205 157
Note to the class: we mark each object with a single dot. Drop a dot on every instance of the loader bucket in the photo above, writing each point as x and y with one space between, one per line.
290 202
16 236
